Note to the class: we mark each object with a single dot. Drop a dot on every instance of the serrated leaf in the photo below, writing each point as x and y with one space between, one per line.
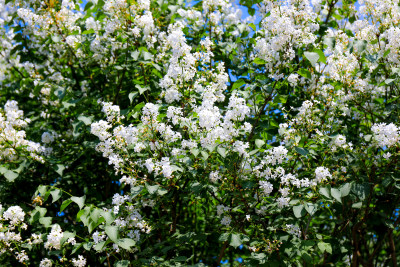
112 232
79 200
336 194
313 57
259 143
55 194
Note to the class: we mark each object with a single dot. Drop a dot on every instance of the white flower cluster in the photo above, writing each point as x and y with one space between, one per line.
79 262
11 137
386 135
293 230
286 28
54 238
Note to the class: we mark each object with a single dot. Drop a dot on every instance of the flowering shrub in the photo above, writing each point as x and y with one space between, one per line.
163 133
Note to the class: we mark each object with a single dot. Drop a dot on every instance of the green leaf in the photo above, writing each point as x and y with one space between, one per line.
56 194
259 143
79 200
60 169
336 194
56 38
238 84
301 150
86 120
298 211
325 247
389 81
325 192
180 258
236 240
259 61
221 151
251 25
360 45
36 214
66 236
360 190
321 54
305 73
330 42
147 55
135 55
280 99
357 205
126 243
10 175
313 57
108 216
142 89
123 263
46 221
136 190
152 188
345 189
112 233
195 151
223 237
65 204
162 191
311 208
132 96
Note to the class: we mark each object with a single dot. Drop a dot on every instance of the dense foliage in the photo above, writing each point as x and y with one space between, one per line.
166 133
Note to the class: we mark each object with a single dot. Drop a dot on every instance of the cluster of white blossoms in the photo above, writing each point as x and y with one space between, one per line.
11 240
386 135
293 230
79 262
54 238
13 144
286 28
